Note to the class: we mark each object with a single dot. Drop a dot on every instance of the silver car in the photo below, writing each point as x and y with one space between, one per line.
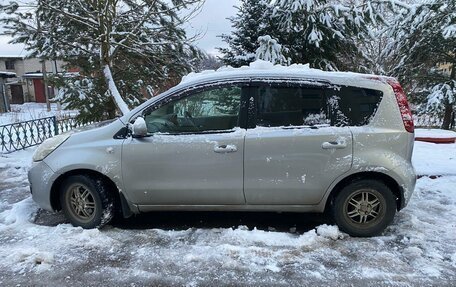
281 140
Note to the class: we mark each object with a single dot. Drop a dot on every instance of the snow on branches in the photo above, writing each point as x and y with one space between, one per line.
423 51
270 50
324 33
137 40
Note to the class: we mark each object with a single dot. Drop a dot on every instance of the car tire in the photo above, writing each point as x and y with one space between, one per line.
86 201
364 208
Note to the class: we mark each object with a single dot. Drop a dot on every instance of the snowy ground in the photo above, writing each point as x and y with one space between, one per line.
32 111
211 249
434 133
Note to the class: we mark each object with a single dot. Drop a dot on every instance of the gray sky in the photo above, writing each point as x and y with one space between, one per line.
209 23
212 22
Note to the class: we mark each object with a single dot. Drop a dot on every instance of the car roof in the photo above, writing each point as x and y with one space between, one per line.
263 69
267 71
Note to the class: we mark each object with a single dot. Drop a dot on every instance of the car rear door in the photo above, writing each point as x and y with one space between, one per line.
292 154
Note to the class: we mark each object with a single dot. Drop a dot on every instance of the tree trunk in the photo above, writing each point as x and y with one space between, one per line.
105 22
448 116
45 83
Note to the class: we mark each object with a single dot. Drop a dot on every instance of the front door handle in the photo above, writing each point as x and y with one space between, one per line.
225 148
334 145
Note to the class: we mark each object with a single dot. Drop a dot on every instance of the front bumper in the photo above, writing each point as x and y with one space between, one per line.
41 177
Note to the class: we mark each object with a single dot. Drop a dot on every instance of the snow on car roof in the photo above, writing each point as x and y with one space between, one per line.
266 69
263 68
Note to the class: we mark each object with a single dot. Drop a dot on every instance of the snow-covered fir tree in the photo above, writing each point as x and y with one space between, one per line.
270 50
134 47
323 33
326 33
424 54
253 20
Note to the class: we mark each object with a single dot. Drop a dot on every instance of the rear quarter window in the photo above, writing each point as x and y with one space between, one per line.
308 106
351 106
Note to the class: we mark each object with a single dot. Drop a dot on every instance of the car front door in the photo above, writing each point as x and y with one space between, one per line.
193 154
293 154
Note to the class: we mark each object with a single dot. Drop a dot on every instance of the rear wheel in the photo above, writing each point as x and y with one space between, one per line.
86 201
364 208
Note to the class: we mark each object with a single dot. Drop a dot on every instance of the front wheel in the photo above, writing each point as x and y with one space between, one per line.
86 202
364 208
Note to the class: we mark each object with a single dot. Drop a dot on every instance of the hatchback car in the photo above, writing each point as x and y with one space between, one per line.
249 139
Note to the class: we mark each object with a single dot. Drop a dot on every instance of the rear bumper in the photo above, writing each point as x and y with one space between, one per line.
41 177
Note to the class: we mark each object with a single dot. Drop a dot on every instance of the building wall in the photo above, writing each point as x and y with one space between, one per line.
23 66
32 65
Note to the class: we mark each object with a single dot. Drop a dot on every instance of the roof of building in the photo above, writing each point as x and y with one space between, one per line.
12 56
33 75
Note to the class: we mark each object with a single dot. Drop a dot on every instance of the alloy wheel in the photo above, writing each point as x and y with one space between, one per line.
81 202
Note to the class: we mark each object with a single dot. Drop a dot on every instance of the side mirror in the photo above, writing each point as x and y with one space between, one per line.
139 127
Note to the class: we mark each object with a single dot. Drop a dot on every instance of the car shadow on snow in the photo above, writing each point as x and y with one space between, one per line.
283 222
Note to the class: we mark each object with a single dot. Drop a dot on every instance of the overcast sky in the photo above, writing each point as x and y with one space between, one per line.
209 23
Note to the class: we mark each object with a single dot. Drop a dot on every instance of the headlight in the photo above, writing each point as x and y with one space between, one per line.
49 146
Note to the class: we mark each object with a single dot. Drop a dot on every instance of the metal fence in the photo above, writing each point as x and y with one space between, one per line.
21 135
427 121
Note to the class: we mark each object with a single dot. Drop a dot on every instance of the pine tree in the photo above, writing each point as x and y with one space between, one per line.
253 20
324 33
270 50
133 46
424 39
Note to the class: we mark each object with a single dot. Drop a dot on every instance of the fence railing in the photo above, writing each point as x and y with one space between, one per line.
21 135
427 121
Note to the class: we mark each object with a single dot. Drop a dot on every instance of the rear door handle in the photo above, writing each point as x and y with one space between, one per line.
225 148
333 145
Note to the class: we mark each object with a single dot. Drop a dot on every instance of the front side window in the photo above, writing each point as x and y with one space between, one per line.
209 110
290 106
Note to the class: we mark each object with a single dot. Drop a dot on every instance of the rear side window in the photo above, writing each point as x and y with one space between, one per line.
350 106
308 106
290 106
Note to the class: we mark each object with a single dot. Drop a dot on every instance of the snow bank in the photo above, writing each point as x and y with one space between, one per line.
434 133
434 159
21 213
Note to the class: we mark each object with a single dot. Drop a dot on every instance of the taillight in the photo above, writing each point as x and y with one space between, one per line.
401 99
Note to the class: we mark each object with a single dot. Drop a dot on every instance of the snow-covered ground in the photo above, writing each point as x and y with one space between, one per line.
434 159
419 249
32 111
434 133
